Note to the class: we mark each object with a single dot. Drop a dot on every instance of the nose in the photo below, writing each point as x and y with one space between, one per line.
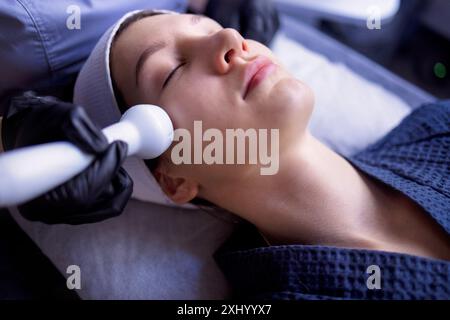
230 45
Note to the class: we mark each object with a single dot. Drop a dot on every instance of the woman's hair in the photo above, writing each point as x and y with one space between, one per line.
123 106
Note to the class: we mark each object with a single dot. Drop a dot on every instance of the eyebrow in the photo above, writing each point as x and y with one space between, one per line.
157 46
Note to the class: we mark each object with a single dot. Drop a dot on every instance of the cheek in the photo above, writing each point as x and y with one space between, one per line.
201 100
256 47
184 108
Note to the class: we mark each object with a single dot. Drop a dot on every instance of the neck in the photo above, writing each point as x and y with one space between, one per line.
316 197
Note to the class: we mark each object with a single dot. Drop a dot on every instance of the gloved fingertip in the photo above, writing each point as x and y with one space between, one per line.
123 185
86 135
122 149
114 151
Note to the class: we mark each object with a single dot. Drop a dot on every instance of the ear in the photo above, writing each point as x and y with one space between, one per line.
179 190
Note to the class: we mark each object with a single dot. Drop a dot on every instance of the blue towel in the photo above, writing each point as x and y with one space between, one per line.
413 158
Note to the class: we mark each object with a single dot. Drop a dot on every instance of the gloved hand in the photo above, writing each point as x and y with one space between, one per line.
98 193
254 19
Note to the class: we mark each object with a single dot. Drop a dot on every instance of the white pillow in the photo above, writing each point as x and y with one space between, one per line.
157 252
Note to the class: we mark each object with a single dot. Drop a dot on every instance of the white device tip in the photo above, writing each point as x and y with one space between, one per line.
155 129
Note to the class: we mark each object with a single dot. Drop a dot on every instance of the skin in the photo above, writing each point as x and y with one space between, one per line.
317 196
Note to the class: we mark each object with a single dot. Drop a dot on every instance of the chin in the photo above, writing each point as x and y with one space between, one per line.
291 103
292 95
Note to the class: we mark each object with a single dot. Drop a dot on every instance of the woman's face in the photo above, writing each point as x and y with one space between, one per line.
209 80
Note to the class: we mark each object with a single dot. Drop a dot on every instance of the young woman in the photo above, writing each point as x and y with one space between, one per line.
393 197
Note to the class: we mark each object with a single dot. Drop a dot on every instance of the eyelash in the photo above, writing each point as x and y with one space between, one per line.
166 82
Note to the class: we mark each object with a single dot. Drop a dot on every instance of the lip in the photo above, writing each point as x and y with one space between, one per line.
255 72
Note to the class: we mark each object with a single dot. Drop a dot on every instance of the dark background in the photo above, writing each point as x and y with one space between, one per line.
25 273
411 45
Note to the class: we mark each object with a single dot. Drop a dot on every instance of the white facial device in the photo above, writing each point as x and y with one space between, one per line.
27 173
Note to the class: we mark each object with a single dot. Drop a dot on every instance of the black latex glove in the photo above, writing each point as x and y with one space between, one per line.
254 19
99 192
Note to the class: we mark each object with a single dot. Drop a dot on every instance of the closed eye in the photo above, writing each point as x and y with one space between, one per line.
166 82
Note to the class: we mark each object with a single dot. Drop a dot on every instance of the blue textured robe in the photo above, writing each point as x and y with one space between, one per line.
413 158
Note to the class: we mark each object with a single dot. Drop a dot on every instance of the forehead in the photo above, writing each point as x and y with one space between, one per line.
158 23
153 29
158 27
149 28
